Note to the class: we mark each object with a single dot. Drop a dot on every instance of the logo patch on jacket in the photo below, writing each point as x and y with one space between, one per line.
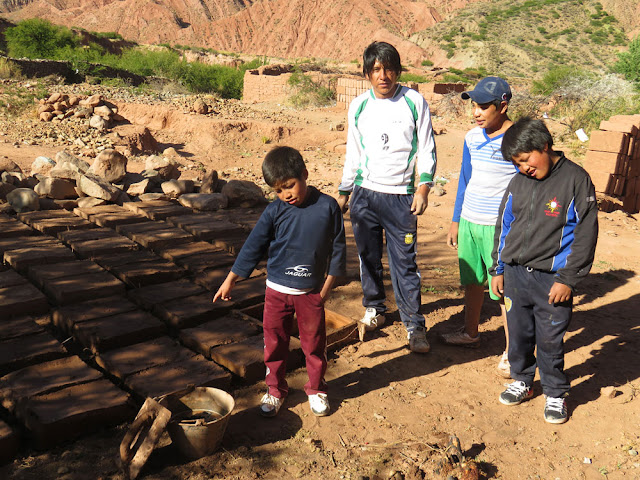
408 238
298 271
553 208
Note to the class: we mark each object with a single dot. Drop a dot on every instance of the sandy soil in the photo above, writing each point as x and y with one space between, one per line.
393 411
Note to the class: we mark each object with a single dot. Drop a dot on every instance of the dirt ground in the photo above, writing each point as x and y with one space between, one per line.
393 411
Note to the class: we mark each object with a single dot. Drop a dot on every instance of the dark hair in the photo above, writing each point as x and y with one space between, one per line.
282 163
385 53
525 136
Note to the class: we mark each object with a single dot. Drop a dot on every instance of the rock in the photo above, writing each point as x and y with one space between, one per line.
204 201
167 168
104 111
23 200
87 202
46 116
110 165
138 188
42 165
93 186
152 175
93 101
175 188
56 188
78 164
5 188
149 197
7 165
243 193
209 182
98 123
200 107
437 190
170 152
83 112
45 108
54 97
65 171
14 178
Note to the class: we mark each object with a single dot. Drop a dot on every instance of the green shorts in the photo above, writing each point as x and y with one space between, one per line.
475 243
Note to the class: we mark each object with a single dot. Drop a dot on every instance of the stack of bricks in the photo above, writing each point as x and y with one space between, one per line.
348 88
613 162
260 88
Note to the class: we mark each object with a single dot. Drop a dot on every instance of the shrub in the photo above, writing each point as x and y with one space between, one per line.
427 63
8 69
36 38
628 63
412 77
308 91
554 79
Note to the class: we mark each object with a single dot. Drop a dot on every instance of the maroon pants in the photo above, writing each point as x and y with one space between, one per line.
277 324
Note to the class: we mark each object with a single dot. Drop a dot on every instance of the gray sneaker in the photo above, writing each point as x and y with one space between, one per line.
516 393
555 410
418 340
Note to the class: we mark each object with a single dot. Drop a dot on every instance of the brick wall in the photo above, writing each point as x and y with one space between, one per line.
261 88
613 162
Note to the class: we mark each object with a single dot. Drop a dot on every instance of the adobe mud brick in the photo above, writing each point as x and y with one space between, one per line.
115 219
619 126
176 376
201 257
141 207
147 297
51 226
10 227
181 221
65 318
23 258
11 278
30 217
86 212
21 352
191 311
78 288
218 230
22 299
107 333
39 274
161 237
160 212
97 242
19 327
126 361
246 358
247 217
231 243
9 443
221 331
138 269
631 119
249 292
614 142
19 243
63 415
46 377
212 278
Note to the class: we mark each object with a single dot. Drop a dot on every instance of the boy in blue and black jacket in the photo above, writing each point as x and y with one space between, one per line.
302 233
544 245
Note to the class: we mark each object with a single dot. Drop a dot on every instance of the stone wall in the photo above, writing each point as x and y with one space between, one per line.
613 162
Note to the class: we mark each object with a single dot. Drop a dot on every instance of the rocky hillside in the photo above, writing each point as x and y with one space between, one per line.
283 28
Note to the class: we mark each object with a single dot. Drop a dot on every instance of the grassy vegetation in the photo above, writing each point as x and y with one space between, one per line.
309 92
40 39
15 99
515 38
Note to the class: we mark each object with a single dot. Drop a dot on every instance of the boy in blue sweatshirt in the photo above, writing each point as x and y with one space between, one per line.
544 245
303 235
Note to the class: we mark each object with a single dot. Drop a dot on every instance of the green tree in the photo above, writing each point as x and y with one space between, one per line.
37 38
628 63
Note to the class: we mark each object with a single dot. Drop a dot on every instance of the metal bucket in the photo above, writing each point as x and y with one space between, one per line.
199 420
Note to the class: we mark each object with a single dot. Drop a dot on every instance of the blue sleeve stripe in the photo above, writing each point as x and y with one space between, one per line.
567 238
505 228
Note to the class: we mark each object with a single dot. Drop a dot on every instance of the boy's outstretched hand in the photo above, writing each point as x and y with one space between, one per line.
497 285
452 236
559 293
224 292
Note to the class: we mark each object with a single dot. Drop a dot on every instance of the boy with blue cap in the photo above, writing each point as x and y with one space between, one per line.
484 176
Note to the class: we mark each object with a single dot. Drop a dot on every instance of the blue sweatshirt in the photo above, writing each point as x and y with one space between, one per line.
304 244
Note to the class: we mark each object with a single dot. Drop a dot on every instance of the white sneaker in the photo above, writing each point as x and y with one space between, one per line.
319 404
372 319
270 405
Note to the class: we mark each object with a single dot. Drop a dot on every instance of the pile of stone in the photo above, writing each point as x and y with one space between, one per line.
69 182
59 106
613 162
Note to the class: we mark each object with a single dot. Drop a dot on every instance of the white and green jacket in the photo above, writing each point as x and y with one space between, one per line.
389 141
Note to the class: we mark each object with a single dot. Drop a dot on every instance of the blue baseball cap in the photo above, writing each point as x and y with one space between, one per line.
489 89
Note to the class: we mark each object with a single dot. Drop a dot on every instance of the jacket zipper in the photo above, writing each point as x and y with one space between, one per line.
529 221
